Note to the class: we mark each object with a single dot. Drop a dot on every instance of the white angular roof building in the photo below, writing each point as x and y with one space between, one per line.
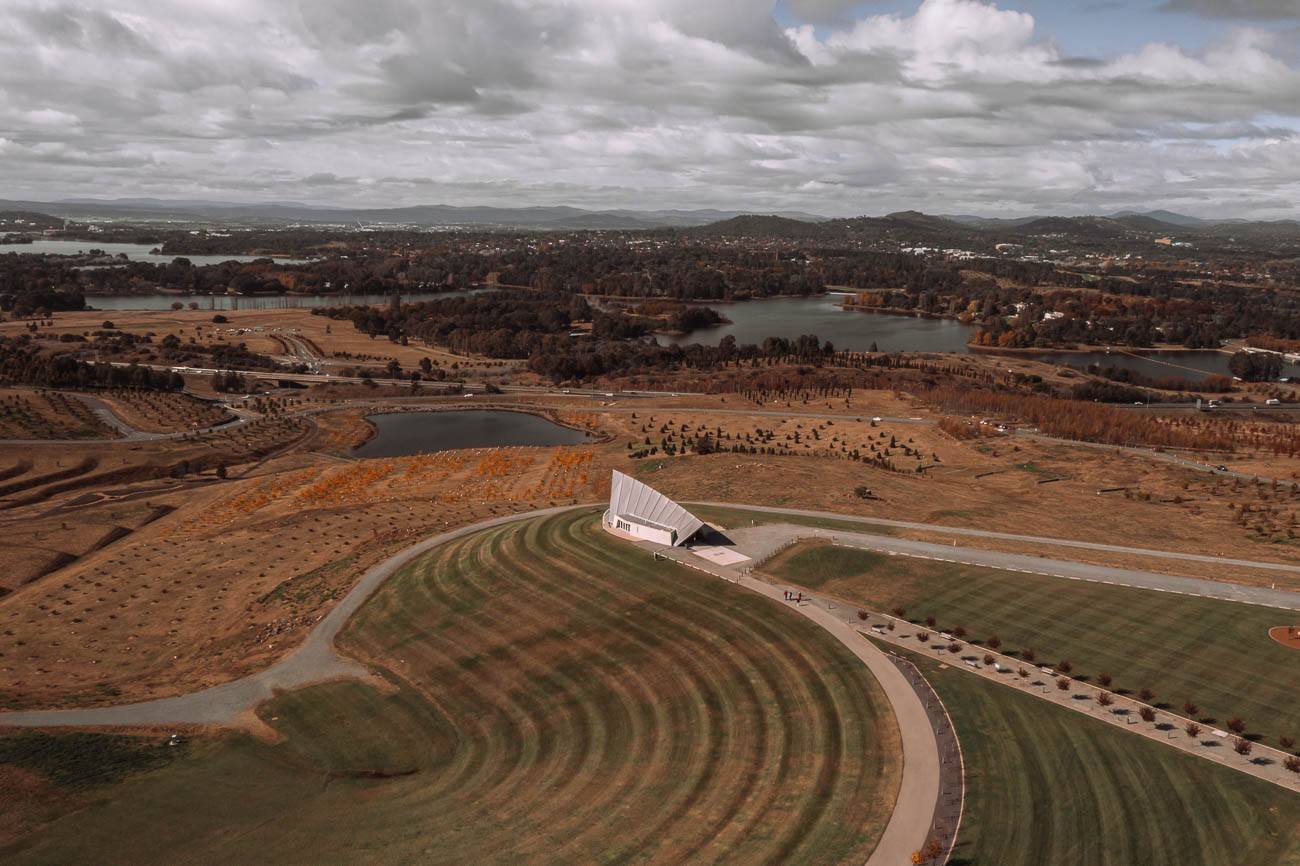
643 512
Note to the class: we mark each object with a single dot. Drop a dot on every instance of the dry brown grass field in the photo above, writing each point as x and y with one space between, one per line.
135 587
230 580
265 332
30 413
162 412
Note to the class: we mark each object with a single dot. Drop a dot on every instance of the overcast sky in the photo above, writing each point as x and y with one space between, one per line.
833 107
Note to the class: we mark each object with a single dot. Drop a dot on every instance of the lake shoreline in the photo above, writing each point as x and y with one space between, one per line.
546 414
1084 349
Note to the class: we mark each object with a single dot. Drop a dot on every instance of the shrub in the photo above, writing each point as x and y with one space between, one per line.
1104 699
1027 654
1286 742
1064 666
890 625
1235 724
1146 694
862 615
1292 764
929 620
82 760
1063 683
899 612
923 636
988 659
954 647
1147 714
959 632
1104 679
1192 729
993 642
1023 673
1242 746
1190 708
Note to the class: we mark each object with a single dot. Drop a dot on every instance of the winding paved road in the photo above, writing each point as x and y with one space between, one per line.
317 659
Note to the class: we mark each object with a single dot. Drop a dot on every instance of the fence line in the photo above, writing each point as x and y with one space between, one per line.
951 804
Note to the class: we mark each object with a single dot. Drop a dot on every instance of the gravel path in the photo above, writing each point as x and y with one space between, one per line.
315 661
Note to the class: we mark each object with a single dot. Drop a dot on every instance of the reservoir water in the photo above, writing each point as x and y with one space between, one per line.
255 302
133 252
1194 364
753 321
401 434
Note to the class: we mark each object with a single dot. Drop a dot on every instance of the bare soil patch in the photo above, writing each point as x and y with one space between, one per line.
1287 635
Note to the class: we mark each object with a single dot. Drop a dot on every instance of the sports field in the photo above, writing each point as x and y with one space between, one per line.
557 696
1216 654
1046 785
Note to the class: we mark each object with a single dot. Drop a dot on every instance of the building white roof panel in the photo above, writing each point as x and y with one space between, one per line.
632 498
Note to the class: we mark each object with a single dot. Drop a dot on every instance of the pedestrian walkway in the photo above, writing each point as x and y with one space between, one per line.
911 823
946 822
1210 744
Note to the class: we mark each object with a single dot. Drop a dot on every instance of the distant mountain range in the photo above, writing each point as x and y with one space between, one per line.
910 227
423 216
918 228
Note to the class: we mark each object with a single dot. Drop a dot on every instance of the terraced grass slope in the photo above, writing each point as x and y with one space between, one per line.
1216 654
1049 786
558 697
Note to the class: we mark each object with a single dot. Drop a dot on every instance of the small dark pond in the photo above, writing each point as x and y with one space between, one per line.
401 434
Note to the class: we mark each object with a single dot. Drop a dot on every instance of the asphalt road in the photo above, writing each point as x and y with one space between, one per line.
775 536
1008 536
317 659
918 790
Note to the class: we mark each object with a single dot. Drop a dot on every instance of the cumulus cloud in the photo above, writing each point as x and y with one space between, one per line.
953 105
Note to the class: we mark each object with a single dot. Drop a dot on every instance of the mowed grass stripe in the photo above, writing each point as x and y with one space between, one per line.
824 741
730 740
1214 653
560 698
1049 785
613 762
576 711
565 585
799 676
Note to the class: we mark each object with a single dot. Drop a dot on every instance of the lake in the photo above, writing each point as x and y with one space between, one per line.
255 302
753 321
134 252
1194 364
401 434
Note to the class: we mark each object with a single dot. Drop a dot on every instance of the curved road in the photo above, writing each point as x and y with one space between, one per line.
317 659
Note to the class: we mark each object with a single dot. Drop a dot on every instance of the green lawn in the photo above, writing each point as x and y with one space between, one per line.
1046 785
1214 653
557 696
